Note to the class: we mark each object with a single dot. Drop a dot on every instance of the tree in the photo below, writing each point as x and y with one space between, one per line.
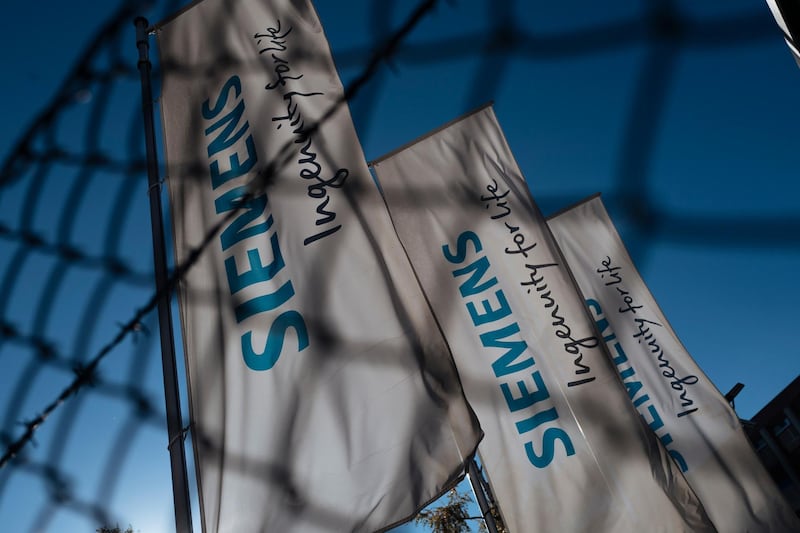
498 520
453 517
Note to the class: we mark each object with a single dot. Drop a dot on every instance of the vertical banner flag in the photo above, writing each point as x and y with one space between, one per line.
564 449
679 402
323 395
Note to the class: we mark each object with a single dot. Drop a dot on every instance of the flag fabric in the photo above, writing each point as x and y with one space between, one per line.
323 396
787 15
564 449
681 405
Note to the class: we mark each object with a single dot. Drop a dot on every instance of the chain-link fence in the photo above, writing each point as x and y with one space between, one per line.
682 114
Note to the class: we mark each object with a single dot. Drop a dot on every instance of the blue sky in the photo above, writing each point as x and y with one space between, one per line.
685 125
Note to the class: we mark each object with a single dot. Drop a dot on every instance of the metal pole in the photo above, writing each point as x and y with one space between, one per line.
177 455
477 488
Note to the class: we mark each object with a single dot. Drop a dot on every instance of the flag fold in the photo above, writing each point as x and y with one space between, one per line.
681 405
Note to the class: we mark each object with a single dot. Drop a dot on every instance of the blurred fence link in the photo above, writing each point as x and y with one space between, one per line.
87 146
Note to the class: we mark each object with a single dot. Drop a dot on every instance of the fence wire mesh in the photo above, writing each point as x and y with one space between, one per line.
587 97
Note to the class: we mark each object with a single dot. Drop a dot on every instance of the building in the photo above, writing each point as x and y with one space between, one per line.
775 434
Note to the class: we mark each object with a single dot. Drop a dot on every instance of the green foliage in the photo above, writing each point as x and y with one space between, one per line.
452 517
498 521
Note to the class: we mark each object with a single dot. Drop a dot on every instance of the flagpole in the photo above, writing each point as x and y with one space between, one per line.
477 488
177 455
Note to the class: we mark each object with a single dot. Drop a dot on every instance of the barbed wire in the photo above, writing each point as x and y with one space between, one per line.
86 374
41 157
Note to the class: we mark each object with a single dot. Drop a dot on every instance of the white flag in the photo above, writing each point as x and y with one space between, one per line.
564 449
679 402
323 396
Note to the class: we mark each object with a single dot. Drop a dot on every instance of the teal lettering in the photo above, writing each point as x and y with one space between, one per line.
550 436
641 399
633 388
258 271
236 167
526 398
489 314
232 83
621 356
251 220
520 395
224 139
254 208
595 306
478 268
679 459
461 247
275 339
504 364
265 302
533 422
656 423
